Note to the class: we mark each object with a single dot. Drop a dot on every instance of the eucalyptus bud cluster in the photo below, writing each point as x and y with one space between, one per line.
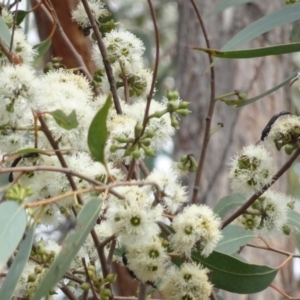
54 64
99 283
18 193
285 133
268 214
187 163
134 145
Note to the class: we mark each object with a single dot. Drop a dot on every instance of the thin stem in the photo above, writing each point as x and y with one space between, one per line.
142 291
13 28
274 250
211 107
282 293
253 198
8 54
69 294
89 278
111 253
285 262
66 171
60 197
130 170
149 96
106 62
144 168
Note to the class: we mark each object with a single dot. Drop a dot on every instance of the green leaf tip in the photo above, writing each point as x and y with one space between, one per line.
97 135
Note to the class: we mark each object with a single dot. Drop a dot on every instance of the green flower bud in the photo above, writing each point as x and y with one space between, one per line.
150 133
136 154
111 278
183 112
148 151
107 27
184 104
38 269
174 95
172 106
286 229
242 96
174 122
122 139
146 142
113 148
289 148
31 278
182 166
85 286
159 114
105 293
138 130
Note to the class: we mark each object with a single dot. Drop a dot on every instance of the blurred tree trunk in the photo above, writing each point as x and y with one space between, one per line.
242 126
68 41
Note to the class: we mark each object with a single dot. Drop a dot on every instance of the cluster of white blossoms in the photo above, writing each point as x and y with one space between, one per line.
196 227
189 281
251 170
286 133
268 214
136 219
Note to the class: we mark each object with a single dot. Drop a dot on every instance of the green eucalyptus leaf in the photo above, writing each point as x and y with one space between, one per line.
234 237
42 48
98 133
235 276
273 89
225 204
252 53
67 122
15 271
293 218
13 224
86 220
21 14
284 15
5 35
218 297
27 151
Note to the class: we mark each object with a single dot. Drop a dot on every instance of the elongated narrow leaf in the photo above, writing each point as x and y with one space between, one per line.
13 225
67 122
42 48
266 93
235 276
234 237
21 14
98 134
5 35
218 297
28 150
293 218
251 53
15 271
225 204
284 15
85 222
228 3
